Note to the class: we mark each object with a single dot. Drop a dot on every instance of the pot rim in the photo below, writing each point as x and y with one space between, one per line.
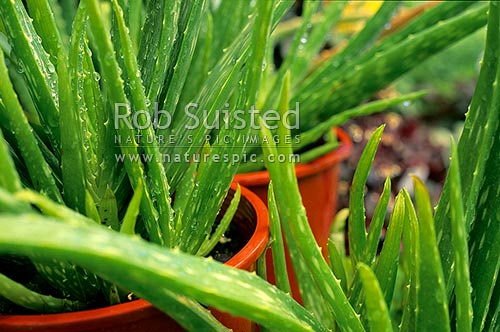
243 259
304 170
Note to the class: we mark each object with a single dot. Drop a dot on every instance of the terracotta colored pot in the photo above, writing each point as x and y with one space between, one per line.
139 315
318 182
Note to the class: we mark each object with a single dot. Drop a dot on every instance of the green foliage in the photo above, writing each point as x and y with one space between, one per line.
109 254
61 84
333 91
60 180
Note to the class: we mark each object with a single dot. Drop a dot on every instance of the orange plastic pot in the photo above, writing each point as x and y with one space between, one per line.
140 316
318 184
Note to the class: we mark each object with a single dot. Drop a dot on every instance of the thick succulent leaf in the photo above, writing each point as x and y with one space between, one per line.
214 238
357 218
369 34
432 309
109 254
108 210
34 62
277 243
187 40
492 320
411 266
224 30
74 282
478 153
387 264
199 69
459 237
22 296
342 88
485 232
306 43
377 223
45 24
130 218
337 264
223 79
215 177
67 14
72 160
158 185
15 120
9 178
314 134
377 311
155 46
296 227
114 82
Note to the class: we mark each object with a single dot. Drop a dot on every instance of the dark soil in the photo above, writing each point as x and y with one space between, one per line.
228 246
409 146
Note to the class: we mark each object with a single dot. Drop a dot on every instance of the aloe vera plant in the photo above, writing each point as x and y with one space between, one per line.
77 111
333 91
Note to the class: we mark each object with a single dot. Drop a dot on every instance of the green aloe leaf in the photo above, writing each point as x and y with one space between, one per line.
485 231
308 288
314 134
187 43
73 281
492 321
9 178
224 30
15 120
378 313
155 46
21 295
108 210
199 69
215 179
277 244
35 64
377 223
214 238
411 261
478 154
112 77
45 24
237 292
369 34
223 79
158 185
425 20
357 218
339 89
67 14
72 160
337 264
307 42
387 264
296 227
432 309
130 218
136 8
459 235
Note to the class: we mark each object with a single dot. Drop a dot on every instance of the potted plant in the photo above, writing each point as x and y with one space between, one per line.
443 255
57 233
437 269
81 128
328 92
